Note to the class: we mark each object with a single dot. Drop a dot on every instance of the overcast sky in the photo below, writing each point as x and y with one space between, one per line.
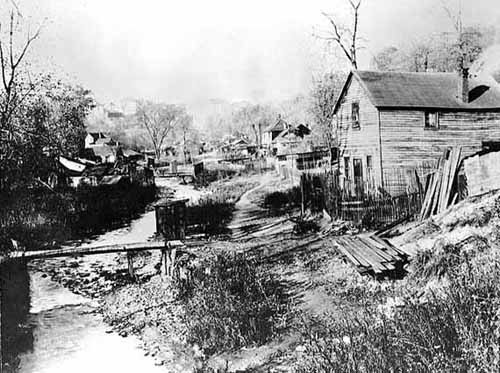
185 50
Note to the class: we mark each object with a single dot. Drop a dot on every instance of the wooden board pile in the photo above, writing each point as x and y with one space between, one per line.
441 184
371 254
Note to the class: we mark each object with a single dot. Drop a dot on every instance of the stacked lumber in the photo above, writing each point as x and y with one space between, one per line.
441 184
371 254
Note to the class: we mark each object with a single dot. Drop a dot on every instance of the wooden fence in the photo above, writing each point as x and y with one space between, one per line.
362 202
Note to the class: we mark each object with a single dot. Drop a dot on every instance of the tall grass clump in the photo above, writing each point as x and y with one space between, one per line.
231 304
211 213
283 199
454 330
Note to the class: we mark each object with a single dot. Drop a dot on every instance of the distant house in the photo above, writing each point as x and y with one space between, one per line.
290 141
115 115
388 120
273 131
107 154
97 139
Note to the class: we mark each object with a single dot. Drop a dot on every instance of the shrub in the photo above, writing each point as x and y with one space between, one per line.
231 304
212 213
289 198
457 331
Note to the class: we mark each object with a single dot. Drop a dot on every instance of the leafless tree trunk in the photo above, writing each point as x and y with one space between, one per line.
158 119
15 87
346 38
10 61
462 46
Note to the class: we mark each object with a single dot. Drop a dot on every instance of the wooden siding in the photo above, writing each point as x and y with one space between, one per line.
362 142
405 142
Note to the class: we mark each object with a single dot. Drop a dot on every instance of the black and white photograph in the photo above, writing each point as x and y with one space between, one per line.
268 186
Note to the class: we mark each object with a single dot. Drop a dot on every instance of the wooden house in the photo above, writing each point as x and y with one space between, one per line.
273 131
389 123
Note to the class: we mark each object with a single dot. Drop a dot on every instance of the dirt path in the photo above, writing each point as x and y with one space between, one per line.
251 220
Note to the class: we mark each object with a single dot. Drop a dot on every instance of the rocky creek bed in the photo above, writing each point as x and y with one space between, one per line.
146 307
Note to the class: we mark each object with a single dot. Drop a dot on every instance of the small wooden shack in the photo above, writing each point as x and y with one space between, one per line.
171 219
389 122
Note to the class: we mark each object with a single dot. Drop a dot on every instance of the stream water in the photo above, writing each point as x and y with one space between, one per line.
48 329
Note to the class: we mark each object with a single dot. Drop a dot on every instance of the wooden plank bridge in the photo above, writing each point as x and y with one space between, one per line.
168 249
93 250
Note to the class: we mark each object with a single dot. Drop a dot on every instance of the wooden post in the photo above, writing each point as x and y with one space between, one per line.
130 260
164 260
172 262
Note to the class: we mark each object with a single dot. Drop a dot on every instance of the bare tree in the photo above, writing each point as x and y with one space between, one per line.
15 87
159 119
346 38
324 94
467 46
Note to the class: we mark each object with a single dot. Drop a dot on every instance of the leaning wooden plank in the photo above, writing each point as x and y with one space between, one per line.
427 197
457 153
427 210
444 167
435 197
445 179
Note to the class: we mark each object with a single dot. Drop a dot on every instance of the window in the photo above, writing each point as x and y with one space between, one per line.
355 114
346 167
369 170
431 120
369 162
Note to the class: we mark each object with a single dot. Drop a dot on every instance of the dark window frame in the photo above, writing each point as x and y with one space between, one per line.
369 162
347 168
355 120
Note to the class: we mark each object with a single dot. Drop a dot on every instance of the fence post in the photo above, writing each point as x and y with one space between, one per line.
130 262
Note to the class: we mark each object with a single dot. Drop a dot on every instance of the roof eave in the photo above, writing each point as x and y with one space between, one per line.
447 108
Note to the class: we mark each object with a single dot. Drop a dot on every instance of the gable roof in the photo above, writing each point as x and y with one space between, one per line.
279 126
422 90
97 135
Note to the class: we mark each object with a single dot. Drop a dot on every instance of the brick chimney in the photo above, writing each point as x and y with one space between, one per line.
463 84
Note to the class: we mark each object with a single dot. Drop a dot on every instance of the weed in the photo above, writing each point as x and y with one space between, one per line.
230 304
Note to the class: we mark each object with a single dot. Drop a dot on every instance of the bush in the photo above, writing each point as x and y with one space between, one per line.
231 304
35 216
208 176
456 331
212 213
290 198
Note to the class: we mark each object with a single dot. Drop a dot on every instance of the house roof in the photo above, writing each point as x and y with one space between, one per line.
71 165
105 151
280 125
97 135
422 90
287 135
